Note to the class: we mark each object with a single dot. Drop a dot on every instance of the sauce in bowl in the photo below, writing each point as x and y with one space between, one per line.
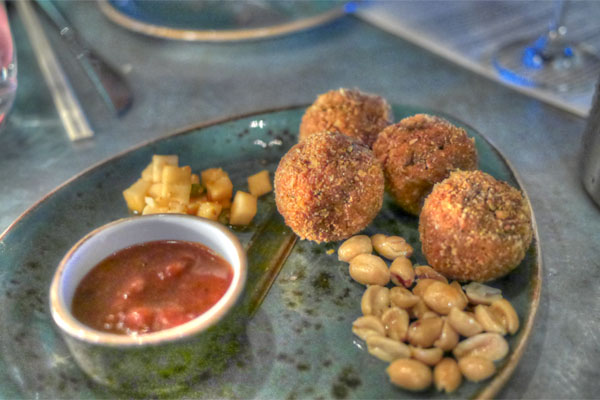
151 286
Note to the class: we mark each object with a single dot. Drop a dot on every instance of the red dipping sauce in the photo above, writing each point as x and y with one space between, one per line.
151 286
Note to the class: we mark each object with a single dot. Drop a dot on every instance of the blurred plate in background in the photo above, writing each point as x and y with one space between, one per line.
210 20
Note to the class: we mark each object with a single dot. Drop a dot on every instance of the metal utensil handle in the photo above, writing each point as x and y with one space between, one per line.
67 105
109 83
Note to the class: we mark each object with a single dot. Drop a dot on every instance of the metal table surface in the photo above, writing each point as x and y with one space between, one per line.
177 84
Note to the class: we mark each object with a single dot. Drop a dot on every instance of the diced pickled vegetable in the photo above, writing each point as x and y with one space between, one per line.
158 163
172 174
155 190
220 189
176 183
194 204
197 189
212 174
243 208
167 188
147 173
154 209
179 192
210 210
259 183
135 194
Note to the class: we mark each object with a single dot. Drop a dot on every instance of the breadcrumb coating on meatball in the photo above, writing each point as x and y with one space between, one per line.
418 152
328 187
347 111
474 227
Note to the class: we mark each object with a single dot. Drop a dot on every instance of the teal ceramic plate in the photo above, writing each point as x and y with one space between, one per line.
298 342
221 20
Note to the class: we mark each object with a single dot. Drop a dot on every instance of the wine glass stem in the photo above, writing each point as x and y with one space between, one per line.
558 20
552 46
550 61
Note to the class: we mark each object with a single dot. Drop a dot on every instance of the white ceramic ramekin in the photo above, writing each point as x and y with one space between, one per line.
156 362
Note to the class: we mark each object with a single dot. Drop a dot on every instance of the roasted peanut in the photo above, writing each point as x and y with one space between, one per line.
491 346
422 285
402 272
369 269
387 349
430 356
391 247
410 374
368 325
464 323
424 332
375 300
429 314
403 298
441 297
419 310
447 376
359 244
442 311
507 314
448 338
479 293
475 368
426 272
456 285
489 321
396 320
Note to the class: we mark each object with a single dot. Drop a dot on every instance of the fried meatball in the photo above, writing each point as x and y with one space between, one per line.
474 227
346 111
328 187
418 152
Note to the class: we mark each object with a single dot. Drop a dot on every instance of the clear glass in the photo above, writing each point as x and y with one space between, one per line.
8 66
550 61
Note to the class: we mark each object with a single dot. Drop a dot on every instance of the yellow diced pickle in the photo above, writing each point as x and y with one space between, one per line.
134 195
176 207
154 209
179 192
158 163
172 174
210 210
243 208
193 206
147 173
155 190
197 190
259 183
212 174
220 189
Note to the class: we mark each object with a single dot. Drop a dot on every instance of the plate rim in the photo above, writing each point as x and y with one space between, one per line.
225 35
503 375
